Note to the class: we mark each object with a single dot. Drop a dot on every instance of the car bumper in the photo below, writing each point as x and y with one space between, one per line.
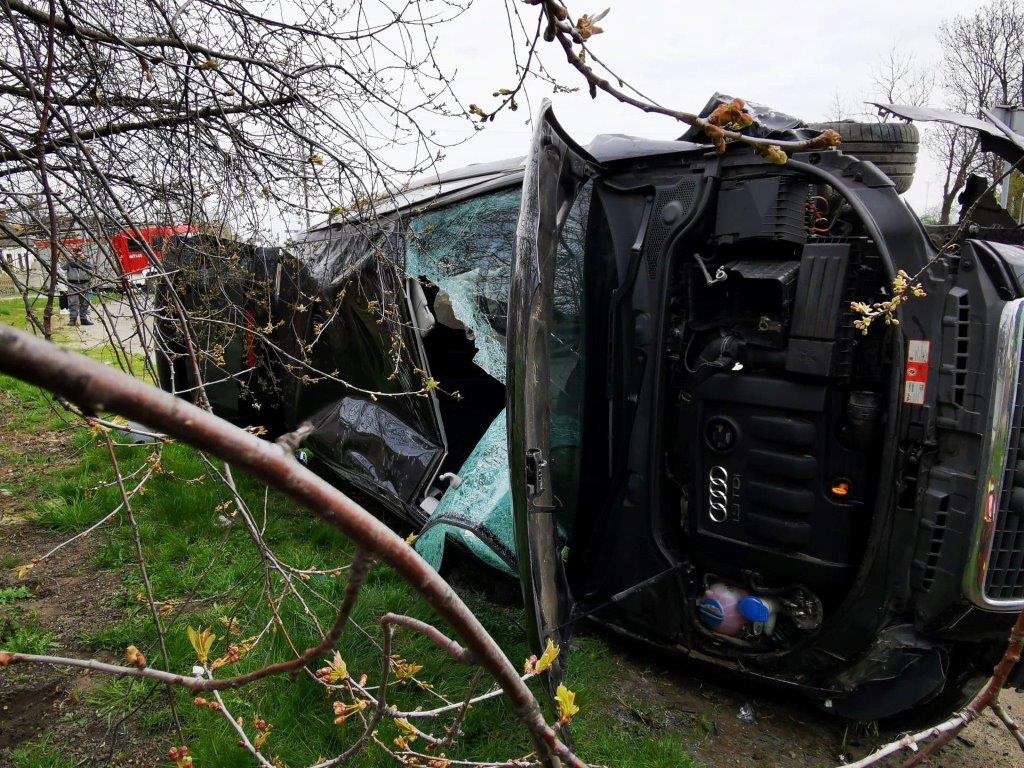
994 576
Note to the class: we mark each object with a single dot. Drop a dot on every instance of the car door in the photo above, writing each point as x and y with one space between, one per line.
544 376
374 432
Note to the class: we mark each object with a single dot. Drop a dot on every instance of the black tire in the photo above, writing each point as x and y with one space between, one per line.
892 147
967 670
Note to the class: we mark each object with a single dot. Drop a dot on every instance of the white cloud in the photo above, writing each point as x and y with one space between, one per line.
795 57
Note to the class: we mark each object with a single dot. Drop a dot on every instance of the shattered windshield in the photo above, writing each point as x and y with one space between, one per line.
466 251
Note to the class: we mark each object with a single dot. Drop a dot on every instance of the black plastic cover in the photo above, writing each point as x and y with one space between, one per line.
819 290
769 123
897 672
368 444
765 454
771 208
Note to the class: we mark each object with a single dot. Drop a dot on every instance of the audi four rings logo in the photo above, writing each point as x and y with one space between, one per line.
718 494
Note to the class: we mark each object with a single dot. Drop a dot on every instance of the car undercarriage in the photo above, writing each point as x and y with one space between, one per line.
634 376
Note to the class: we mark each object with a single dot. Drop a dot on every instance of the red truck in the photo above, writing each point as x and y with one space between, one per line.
131 252
129 246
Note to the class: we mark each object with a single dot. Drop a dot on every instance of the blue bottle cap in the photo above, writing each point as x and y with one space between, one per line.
755 609
711 612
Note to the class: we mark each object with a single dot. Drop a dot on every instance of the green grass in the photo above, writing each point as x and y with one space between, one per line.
10 594
22 634
12 312
39 754
188 554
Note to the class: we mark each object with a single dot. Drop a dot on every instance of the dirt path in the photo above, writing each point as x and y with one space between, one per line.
60 601
62 605
112 316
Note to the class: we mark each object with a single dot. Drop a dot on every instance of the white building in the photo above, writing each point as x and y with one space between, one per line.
16 257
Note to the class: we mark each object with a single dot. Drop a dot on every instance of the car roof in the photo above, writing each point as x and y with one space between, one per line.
437 189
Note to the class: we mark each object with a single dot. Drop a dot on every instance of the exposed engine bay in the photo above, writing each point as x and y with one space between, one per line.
776 410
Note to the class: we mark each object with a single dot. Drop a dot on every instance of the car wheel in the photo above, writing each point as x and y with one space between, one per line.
968 670
892 147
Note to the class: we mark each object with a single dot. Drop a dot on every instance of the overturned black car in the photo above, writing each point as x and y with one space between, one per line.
629 374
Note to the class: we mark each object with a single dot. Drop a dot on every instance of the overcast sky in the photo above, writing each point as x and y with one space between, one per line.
795 57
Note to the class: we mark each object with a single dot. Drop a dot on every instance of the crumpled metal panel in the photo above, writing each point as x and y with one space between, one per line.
993 139
346 314
363 438
931 114
543 301
899 670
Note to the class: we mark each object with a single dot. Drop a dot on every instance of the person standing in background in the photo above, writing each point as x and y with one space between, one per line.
79 283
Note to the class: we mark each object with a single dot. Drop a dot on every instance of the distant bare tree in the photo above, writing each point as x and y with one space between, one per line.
959 152
982 66
899 79
837 109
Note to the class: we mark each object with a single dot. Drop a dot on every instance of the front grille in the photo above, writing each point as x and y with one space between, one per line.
1004 579
994 577
962 340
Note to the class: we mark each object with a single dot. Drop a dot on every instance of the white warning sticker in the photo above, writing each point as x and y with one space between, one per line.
918 351
914 393
915 379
